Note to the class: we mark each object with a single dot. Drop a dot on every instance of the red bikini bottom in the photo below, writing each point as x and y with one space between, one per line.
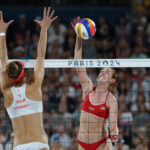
93 146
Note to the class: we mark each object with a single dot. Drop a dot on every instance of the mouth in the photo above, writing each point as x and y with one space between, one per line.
101 76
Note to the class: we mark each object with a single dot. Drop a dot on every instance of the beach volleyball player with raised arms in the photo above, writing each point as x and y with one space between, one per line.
24 101
98 104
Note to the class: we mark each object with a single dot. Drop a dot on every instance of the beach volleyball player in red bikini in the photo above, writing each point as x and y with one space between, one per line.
98 105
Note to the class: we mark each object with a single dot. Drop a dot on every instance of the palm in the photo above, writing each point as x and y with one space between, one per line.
3 25
47 18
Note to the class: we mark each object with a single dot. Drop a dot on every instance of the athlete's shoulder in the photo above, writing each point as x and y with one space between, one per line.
112 98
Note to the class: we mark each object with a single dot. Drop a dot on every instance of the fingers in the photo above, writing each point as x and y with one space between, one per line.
47 17
10 22
114 139
48 14
44 12
51 15
54 18
75 21
72 25
37 21
2 21
1 15
48 11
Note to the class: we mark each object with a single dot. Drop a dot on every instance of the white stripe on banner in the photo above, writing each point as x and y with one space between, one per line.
88 63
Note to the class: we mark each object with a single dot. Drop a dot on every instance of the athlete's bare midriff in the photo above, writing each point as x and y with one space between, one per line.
29 129
92 128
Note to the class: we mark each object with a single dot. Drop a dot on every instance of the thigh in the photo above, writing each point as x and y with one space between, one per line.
80 147
106 146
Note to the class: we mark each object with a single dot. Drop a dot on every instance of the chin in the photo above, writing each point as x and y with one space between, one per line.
101 81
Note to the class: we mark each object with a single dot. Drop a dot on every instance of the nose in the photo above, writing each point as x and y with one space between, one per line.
103 73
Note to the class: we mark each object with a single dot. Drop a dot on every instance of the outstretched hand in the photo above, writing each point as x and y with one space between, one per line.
73 23
47 18
3 25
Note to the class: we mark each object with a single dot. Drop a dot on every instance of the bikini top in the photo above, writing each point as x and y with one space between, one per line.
21 105
97 110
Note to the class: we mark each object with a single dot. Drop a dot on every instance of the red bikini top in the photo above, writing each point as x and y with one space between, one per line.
98 110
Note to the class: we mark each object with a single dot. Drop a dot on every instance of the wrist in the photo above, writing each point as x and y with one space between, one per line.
2 34
44 27
78 39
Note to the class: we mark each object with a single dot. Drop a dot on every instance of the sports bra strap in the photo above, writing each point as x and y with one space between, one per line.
92 90
106 97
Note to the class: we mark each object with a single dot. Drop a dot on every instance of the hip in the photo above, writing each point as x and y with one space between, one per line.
32 146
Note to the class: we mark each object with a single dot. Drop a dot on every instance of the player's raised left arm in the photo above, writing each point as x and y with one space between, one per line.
45 23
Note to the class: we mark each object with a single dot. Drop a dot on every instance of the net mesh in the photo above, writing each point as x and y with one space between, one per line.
62 99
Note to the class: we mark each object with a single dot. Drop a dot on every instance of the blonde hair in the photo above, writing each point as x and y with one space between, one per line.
113 86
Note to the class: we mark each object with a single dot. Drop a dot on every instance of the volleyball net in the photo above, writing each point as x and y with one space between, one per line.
89 63
62 95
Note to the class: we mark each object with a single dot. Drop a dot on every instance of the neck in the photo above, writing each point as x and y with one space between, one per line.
17 85
102 87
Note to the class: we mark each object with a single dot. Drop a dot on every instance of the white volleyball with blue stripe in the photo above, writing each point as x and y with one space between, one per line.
85 28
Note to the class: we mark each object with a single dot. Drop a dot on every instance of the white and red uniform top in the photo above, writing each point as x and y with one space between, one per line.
21 105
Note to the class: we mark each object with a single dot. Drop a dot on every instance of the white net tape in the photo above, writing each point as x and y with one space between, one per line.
89 63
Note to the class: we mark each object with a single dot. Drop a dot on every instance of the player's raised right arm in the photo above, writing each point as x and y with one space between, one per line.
85 81
3 47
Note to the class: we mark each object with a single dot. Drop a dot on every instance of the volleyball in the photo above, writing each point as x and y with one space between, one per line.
85 28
